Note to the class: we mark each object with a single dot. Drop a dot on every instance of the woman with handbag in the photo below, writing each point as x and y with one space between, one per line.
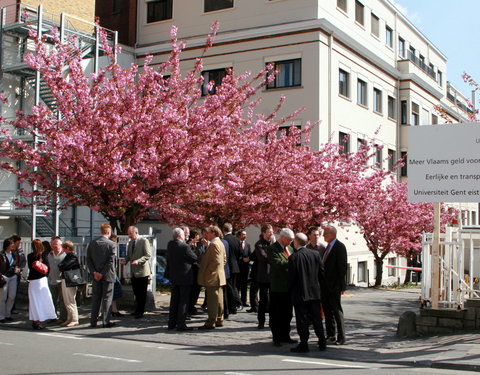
8 280
66 266
40 305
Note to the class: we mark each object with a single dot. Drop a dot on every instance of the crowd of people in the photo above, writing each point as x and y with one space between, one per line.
278 276
295 272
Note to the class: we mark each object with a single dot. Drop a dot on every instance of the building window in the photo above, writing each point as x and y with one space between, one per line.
362 92
289 74
391 159
375 28
474 217
415 114
391 107
388 36
404 170
359 16
434 119
211 5
392 271
344 143
401 47
377 100
216 76
117 6
440 78
342 4
411 52
404 112
343 83
362 272
287 129
159 10
378 156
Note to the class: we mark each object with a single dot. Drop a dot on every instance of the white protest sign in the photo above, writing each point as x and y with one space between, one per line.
444 163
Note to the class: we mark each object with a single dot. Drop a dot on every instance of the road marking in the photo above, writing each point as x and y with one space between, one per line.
325 364
61 336
6 343
207 351
107 357
236 373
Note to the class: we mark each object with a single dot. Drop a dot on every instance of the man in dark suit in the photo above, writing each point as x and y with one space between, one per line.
305 272
233 297
335 264
100 261
244 265
280 303
180 259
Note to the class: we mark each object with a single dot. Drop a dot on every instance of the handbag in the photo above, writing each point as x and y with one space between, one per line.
74 277
40 267
2 281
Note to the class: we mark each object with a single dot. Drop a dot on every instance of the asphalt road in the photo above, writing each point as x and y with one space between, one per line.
56 353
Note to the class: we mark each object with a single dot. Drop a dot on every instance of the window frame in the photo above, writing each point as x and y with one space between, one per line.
296 64
377 100
362 87
220 7
339 6
374 25
359 13
404 112
391 109
168 7
388 36
346 85
344 142
404 169
391 159
402 47
415 115
378 156
205 82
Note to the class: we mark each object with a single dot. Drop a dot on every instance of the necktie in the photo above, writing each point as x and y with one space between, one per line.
287 253
133 245
327 251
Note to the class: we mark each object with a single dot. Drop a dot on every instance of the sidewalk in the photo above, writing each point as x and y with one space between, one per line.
371 318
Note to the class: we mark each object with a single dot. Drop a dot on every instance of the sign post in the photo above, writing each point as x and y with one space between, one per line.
443 166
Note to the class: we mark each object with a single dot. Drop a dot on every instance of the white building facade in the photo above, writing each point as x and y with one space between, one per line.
358 66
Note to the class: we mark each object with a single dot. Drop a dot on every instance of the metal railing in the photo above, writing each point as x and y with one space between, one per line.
421 64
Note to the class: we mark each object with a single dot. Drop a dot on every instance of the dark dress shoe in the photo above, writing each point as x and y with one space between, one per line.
290 341
8 319
340 341
252 310
261 326
118 314
139 316
300 348
2 320
277 343
109 324
322 346
183 329
204 327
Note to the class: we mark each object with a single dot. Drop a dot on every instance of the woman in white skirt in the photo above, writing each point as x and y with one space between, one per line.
40 304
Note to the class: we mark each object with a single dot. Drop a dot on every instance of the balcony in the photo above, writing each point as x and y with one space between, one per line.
412 64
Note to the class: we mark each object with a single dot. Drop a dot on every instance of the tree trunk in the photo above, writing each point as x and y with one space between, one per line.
379 269
409 272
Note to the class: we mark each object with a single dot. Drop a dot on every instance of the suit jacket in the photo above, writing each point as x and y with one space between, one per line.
142 253
305 272
278 261
336 268
100 258
261 261
244 266
180 258
235 253
211 272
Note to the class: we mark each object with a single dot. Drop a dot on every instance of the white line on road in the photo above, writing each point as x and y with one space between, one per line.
325 364
107 357
236 373
61 336
6 343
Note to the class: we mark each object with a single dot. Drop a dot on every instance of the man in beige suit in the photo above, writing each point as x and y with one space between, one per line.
212 276
139 254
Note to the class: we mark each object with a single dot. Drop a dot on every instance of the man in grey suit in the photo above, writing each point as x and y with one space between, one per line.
180 258
139 254
100 261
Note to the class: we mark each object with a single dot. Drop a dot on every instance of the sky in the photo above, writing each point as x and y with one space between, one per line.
453 27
